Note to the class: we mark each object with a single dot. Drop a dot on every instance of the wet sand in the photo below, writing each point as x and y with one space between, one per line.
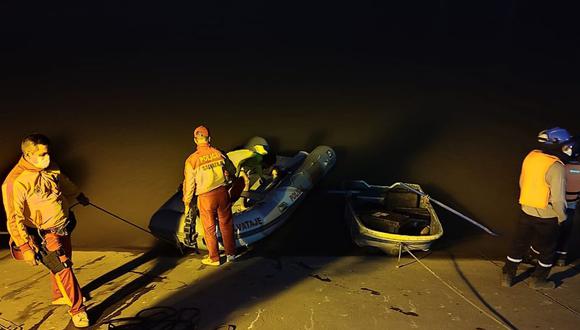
289 292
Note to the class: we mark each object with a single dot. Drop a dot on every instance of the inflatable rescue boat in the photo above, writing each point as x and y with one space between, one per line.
267 205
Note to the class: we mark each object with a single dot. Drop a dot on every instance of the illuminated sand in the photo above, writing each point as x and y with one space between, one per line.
260 292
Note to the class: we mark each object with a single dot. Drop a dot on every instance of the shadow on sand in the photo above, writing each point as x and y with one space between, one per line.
165 258
473 289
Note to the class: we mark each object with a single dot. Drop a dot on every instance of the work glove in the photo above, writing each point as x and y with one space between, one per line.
30 257
83 200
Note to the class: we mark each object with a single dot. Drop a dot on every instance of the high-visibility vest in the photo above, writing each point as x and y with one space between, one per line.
534 190
572 181
245 158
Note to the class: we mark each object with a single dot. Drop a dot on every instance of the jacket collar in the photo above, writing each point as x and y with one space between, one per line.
27 166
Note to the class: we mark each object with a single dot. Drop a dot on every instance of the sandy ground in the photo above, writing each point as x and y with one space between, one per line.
263 292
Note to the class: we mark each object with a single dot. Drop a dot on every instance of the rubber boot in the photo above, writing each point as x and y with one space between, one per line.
561 261
509 273
532 257
539 280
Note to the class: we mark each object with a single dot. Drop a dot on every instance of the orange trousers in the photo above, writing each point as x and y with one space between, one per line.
212 203
68 286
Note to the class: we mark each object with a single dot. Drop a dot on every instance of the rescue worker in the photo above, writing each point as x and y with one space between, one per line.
572 197
208 173
543 205
251 162
36 198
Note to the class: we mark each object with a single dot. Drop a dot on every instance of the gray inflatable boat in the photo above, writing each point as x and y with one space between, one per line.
272 202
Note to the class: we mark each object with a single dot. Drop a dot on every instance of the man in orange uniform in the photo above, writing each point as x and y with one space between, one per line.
207 173
543 207
36 198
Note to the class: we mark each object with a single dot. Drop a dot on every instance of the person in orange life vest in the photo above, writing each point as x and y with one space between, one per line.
208 173
543 207
572 198
36 198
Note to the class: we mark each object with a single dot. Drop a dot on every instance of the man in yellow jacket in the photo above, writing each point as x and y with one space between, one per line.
208 173
543 207
36 198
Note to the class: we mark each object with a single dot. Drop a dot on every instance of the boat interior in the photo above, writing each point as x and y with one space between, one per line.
395 211
259 186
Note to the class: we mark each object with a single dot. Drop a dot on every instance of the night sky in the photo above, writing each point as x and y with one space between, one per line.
447 94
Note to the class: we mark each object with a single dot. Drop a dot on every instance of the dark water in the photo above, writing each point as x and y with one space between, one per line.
446 94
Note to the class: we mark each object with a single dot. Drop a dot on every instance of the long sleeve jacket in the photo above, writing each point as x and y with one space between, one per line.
205 170
36 198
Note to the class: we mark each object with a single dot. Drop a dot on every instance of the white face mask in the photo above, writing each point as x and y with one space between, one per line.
567 150
42 162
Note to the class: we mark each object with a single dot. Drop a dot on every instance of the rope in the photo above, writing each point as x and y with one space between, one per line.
130 223
457 291
570 309
118 217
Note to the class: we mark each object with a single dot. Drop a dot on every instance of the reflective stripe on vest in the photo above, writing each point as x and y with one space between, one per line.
572 181
534 190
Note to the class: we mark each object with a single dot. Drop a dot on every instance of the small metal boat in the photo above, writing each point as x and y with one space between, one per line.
391 217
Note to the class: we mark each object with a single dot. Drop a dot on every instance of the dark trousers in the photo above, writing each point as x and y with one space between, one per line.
565 232
543 232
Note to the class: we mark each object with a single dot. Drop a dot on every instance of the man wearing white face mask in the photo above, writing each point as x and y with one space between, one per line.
37 197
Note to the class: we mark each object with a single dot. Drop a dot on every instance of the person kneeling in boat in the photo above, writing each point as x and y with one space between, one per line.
254 166
208 173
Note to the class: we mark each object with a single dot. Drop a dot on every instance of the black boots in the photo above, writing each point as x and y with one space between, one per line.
538 280
531 258
508 273
561 260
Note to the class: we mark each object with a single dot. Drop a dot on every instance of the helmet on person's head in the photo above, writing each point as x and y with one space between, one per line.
554 136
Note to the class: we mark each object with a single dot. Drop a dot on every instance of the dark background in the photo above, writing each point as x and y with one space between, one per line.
447 94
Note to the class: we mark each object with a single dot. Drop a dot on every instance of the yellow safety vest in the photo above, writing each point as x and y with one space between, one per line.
534 190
